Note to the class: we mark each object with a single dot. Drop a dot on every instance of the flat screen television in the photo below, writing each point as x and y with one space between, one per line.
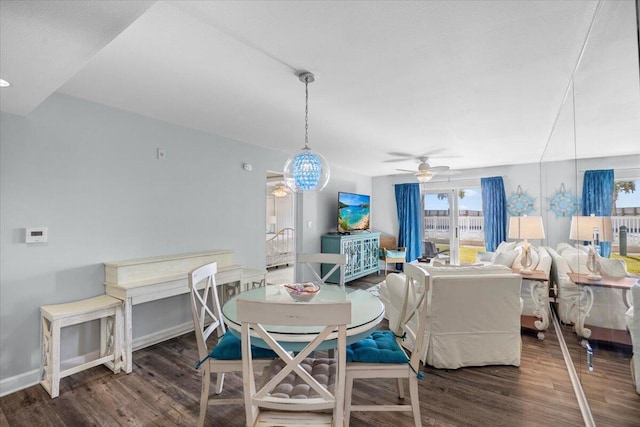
353 212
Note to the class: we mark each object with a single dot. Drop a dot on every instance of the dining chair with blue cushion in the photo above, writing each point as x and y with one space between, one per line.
382 355
298 389
226 355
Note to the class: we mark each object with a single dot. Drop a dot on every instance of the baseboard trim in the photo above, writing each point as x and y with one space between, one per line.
19 382
25 380
160 336
585 409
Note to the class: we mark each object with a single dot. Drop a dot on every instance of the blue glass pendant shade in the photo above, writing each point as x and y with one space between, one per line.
306 171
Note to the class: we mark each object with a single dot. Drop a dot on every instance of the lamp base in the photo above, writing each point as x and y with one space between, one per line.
526 271
594 277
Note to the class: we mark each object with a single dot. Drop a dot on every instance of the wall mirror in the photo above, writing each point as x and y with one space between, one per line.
597 127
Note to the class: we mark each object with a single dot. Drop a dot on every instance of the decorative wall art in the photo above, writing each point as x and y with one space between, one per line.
519 203
563 203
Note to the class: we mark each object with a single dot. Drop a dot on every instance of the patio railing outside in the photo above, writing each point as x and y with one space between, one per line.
633 230
471 230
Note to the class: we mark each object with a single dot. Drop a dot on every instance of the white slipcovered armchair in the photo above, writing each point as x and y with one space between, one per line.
608 309
473 315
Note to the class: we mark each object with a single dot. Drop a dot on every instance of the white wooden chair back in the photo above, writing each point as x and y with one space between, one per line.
413 315
311 262
334 317
205 306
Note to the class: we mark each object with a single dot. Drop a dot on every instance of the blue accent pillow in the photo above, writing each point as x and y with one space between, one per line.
379 347
396 254
230 348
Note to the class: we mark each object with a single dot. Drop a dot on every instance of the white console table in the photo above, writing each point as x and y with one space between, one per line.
142 280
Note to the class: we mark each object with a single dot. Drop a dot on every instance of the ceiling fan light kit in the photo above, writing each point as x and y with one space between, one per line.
425 171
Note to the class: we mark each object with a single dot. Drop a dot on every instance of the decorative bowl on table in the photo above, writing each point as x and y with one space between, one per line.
302 292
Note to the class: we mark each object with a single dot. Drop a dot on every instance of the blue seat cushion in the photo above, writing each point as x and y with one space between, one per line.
379 347
230 348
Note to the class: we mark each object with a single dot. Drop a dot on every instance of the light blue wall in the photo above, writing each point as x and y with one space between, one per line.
90 174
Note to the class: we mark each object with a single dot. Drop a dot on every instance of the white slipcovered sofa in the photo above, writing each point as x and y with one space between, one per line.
534 294
633 323
608 310
473 318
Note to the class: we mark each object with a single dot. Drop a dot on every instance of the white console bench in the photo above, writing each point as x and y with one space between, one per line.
55 317
142 280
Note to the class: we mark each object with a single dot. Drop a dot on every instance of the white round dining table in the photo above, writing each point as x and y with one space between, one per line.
367 311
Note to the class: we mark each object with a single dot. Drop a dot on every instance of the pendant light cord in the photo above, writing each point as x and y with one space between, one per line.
306 112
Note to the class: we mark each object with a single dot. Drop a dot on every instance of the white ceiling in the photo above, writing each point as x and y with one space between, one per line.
476 83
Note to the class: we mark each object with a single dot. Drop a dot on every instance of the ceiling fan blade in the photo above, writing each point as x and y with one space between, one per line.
451 172
397 154
406 170
397 160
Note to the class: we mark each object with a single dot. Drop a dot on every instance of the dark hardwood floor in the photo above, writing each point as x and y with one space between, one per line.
608 386
164 388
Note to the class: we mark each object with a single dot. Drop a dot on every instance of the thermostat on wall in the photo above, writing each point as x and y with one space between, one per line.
36 235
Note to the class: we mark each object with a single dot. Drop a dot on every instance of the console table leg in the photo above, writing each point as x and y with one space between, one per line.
539 295
128 336
585 303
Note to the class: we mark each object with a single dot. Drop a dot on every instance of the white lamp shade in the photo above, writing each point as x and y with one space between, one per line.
526 227
582 228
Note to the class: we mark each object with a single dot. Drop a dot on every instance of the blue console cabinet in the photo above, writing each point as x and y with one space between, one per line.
362 254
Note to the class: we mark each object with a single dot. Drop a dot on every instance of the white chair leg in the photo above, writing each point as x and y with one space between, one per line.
400 388
348 390
204 395
219 382
415 400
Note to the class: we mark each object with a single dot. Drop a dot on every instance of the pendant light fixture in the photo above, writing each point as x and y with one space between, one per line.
306 170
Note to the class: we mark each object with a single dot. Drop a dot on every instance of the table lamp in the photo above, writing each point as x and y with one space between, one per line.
526 227
594 229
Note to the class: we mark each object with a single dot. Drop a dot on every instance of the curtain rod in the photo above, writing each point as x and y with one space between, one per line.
466 179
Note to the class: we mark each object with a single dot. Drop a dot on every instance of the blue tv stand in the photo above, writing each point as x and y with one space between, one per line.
362 254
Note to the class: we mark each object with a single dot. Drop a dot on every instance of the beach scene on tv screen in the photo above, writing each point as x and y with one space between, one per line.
353 212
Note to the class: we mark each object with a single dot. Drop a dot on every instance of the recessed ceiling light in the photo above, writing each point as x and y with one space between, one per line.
4 83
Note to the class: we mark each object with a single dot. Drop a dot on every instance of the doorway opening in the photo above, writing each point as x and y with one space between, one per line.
280 230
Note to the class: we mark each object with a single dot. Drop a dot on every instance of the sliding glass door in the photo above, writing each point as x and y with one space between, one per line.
453 220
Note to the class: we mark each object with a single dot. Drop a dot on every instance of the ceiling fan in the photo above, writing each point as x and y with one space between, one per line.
425 171
280 190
